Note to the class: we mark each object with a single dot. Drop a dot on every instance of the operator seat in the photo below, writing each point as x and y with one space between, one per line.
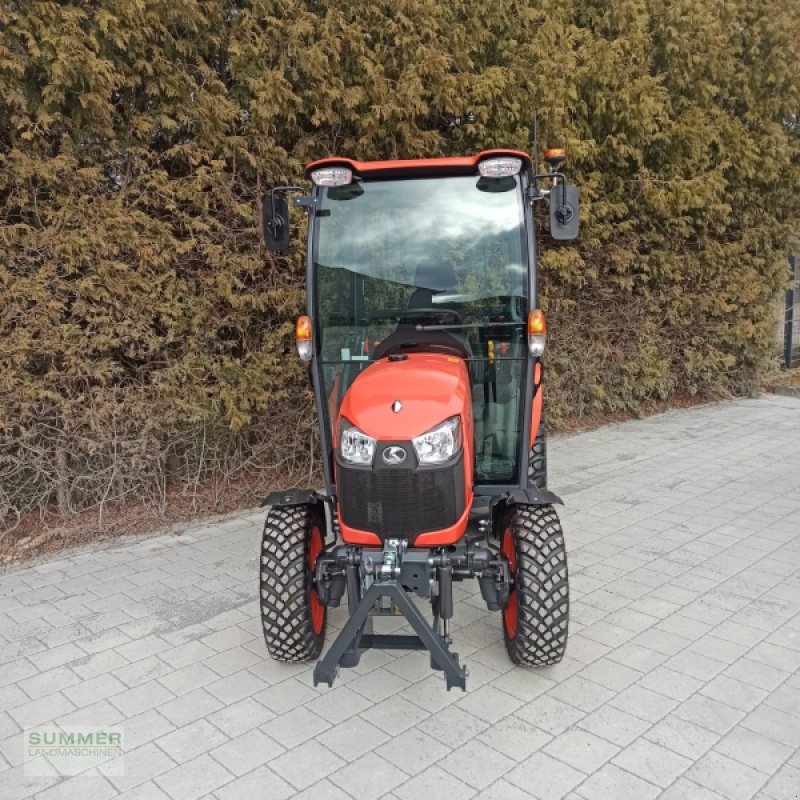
430 279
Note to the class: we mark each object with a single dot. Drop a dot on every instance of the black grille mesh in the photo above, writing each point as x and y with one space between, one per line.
401 503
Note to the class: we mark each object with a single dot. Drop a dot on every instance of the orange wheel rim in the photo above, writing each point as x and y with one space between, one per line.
511 611
315 547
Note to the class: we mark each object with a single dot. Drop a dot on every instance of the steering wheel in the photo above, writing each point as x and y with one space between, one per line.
446 313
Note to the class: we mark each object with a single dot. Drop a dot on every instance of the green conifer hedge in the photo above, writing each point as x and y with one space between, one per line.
145 336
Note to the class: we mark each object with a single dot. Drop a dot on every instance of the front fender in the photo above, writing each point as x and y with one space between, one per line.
293 497
533 496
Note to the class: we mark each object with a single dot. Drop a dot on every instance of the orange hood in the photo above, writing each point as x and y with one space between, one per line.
431 387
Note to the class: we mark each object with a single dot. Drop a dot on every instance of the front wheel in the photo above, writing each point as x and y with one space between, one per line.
292 615
536 618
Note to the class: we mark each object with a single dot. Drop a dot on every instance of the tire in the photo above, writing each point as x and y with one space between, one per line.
537 460
292 616
536 618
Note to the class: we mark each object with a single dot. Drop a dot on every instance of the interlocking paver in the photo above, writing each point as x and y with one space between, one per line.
544 776
247 752
141 698
553 716
144 671
435 782
306 764
729 777
613 724
740 695
581 749
369 777
94 787
644 703
784 786
684 789
709 713
668 682
240 717
296 726
261 782
395 715
611 781
477 764
682 737
194 778
184 744
515 738
753 749
489 703
503 790
42 710
453 726
584 694
285 696
355 737
652 762
682 675
141 764
336 707
776 724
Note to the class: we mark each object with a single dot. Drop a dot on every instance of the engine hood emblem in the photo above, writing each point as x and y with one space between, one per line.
394 455
397 406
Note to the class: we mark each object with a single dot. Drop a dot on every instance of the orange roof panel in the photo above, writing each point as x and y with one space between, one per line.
458 165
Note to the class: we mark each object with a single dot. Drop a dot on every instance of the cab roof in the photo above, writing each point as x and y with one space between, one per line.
418 167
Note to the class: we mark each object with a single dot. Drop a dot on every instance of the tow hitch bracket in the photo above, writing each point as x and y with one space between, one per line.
353 637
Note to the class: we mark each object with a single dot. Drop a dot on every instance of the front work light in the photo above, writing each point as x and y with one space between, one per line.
355 446
537 332
440 444
332 176
500 167
302 338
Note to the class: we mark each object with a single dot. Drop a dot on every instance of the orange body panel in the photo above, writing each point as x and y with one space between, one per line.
536 406
431 388
447 535
355 536
458 164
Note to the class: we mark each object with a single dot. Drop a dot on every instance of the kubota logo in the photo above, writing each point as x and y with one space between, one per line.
394 455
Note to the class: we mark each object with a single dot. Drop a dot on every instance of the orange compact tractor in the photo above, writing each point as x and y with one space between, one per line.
424 344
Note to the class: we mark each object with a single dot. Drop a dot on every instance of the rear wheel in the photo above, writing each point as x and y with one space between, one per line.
536 618
537 460
291 613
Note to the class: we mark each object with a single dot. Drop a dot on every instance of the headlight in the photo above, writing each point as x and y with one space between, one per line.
500 167
332 176
356 447
440 444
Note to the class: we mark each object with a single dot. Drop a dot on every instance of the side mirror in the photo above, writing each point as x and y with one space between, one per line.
275 218
564 213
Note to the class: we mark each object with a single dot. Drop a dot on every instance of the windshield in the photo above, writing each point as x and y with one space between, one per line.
429 263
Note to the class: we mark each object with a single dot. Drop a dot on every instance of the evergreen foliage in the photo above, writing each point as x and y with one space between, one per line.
145 334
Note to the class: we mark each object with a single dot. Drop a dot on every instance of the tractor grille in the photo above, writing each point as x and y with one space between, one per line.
401 503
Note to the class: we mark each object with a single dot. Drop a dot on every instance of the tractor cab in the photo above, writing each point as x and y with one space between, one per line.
438 265
424 341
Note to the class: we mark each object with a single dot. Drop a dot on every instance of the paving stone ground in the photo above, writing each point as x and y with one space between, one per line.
681 680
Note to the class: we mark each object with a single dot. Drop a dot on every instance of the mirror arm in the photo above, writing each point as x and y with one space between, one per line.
550 176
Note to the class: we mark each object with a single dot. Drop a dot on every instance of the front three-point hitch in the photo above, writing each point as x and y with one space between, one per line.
382 583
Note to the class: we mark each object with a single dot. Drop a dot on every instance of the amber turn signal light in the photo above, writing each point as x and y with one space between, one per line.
554 157
302 328
302 337
537 332
536 322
